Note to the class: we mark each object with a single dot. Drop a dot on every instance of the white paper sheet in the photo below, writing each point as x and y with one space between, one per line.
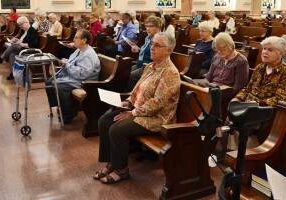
112 98
277 183
129 42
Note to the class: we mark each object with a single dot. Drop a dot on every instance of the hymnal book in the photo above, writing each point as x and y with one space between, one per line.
261 178
261 188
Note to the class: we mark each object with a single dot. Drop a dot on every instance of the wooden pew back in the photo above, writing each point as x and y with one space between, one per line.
258 46
270 151
278 31
248 32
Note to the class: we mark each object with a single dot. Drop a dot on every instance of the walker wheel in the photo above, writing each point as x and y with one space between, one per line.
25 130
16 116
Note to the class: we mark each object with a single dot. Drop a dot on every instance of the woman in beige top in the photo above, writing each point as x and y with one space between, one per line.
153 102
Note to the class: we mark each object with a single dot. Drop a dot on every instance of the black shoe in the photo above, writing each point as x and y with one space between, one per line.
10 77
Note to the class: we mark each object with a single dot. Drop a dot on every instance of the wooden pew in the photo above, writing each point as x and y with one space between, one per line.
67 34
189 65
51 45
183 153
11 30
186 36
277 30
271 151
247 33
114 76
258 46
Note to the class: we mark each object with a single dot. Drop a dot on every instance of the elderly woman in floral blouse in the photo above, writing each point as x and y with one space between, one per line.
267 85
153 102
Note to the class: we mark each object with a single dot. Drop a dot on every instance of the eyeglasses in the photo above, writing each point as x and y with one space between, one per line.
149 26
156 45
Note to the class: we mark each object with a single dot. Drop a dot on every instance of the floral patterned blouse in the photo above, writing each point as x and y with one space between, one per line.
156 95
266 89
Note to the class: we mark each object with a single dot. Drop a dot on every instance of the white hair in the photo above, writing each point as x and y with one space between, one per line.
278 42
52 15
22 20
40 13
170 40
205 26
224 39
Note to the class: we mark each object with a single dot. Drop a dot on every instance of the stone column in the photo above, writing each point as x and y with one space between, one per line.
255 11
186 7
98 7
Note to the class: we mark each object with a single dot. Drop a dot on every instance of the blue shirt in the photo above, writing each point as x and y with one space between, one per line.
145 54
128 31
206 48
81 65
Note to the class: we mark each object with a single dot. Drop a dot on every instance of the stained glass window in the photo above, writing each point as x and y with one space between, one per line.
166 3
88 4
222 3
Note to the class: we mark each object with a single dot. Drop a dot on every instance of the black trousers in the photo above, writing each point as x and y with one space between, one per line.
68 105
114 138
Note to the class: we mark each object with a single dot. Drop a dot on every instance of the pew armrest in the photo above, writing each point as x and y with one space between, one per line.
177 128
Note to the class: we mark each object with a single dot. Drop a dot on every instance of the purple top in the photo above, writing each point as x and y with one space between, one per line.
234 73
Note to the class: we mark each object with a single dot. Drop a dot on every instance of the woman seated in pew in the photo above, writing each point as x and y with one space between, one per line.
41 23
205 45
153 25
95 26
28 39
213 20
228 66
82 65
230 23
267 85
153 102
168 25
56 27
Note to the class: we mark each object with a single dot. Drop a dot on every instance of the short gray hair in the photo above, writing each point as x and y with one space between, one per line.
53 15
40 13
224 39
170 40
278 42
22 20
206 26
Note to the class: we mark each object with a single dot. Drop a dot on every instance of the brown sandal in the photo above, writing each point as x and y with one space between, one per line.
103 172
115 177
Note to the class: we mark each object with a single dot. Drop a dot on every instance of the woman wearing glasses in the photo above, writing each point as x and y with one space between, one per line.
153 25
152 103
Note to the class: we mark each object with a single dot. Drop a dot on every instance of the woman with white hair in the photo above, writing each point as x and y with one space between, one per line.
212 20
28 39
267 85
195 18
228 67
56 27
205 45
41 23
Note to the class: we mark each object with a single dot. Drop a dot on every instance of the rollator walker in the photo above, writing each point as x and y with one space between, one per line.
243 118
23 62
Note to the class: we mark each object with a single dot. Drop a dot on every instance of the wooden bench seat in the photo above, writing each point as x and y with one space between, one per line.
114 76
